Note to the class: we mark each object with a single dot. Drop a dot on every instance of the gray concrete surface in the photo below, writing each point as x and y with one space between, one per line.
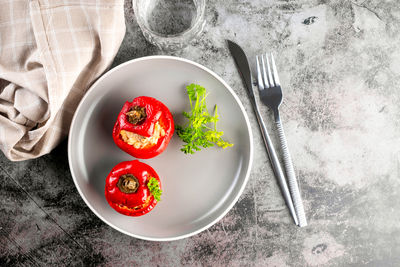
341 76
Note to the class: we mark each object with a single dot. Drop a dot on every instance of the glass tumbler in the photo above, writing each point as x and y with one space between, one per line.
170 24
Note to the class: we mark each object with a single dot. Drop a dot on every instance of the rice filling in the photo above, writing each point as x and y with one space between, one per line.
140 141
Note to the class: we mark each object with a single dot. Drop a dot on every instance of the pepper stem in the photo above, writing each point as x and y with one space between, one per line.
128 183
136 114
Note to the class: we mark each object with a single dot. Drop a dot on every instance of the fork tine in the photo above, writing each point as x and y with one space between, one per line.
274 71
271 80
259 77
264 74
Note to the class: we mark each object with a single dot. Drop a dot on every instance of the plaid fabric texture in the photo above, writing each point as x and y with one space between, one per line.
50 53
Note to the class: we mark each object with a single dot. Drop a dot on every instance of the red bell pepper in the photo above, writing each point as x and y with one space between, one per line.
127 189
144 127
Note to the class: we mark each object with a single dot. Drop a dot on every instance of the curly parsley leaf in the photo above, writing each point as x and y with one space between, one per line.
201 130
154 188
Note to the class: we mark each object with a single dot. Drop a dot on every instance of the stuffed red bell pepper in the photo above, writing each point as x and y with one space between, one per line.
133 188
144 127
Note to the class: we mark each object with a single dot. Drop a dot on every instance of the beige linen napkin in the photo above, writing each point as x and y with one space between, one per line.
50 53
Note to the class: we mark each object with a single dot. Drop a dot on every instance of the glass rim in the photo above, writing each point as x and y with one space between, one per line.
188 31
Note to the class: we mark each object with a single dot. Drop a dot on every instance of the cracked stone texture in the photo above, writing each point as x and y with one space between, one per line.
341 77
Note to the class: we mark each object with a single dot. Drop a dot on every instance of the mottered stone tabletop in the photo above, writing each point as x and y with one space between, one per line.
341 78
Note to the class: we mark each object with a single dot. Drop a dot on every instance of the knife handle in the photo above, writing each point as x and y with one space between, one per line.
276 166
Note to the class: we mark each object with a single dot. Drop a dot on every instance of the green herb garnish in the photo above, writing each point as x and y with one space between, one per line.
154 188
201 130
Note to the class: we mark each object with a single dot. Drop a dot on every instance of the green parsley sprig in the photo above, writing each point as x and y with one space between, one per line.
201 130
154 188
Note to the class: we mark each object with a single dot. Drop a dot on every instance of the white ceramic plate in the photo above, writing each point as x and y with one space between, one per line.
199 189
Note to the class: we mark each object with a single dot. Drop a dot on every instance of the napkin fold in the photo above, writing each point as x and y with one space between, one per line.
50 53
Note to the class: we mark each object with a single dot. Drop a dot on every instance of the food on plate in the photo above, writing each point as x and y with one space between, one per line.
144 127
201 129
133 188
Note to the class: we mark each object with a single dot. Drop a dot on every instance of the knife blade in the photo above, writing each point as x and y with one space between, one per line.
243 67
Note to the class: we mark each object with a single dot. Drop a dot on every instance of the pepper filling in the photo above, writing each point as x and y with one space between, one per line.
139 141
136 114
128 183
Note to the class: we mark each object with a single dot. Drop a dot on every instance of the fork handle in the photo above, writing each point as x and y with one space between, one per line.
276 166
291 177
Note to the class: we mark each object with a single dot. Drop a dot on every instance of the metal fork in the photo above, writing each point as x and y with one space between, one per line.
271 95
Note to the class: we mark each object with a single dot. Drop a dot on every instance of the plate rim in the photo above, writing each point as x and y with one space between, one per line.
248 171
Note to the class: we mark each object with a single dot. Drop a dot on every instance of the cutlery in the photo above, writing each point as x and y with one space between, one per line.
243 66
270 92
